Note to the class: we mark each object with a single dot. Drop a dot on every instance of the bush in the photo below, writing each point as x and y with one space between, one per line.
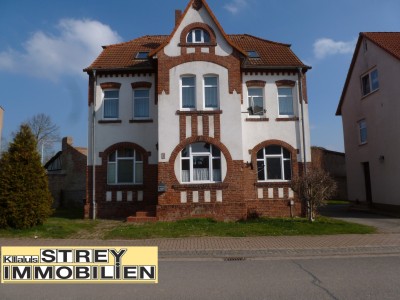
25 199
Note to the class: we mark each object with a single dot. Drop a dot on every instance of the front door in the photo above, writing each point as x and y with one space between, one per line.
367 179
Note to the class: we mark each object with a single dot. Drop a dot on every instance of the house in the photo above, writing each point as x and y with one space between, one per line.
197 123
334 163
370 110
66 173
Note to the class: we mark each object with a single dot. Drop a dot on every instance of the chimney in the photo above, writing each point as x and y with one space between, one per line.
67 141
178 15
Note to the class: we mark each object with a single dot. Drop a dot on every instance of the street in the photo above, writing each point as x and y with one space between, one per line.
351 277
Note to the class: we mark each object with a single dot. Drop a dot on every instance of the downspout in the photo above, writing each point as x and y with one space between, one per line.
93 147
302 120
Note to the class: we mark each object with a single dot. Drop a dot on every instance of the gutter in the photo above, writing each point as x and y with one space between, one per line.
302 120
93 147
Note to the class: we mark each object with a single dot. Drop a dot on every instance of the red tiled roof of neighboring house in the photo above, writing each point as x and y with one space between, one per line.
388 41
122 56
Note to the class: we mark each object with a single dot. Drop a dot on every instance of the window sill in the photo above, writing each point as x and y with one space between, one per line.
125 185
109 121
201 186
141 121
288 119
199 112
362 144
369 94
259 119
273 183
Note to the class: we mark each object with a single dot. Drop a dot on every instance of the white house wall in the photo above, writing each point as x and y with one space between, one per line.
143 134
381 112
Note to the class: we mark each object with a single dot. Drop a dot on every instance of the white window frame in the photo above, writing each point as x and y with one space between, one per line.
362 126
203 36
190 158
188 86
148 103
114 164
282 164
210 86
110 99
251 101
280 97
372 85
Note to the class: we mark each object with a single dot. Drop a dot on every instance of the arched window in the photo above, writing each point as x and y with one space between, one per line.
198 36
125 166
201 162
274 164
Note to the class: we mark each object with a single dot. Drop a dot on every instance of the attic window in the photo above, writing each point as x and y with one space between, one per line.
142 55
198 36
253 54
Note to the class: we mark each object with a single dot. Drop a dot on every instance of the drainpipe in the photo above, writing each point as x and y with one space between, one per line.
93 147
302 120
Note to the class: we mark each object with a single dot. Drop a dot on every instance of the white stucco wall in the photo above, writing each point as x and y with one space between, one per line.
287 131
201 16
143 134
381 110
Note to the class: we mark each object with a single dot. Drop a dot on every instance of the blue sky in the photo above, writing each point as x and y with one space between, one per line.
45 44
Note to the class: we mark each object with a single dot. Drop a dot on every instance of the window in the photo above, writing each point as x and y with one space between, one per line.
198 36
274 164
370 82
189 92
211 91
141 99
362 126
142 55
125 166
285 101
201 162
253 54
256 101
111 106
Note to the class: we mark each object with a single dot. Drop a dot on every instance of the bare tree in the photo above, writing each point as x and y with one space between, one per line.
45 132
314 188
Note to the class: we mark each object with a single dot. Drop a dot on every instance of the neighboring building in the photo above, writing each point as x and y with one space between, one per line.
1 125
370 110
197 123
67 175
333 163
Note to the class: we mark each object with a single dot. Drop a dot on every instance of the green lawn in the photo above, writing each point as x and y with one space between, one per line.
257 227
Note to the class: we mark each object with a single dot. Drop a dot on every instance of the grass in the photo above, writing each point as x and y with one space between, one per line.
257 227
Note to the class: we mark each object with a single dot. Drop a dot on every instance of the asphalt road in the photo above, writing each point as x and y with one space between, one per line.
368 277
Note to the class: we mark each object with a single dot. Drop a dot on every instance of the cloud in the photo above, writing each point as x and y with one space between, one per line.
74 47
325 47
235 6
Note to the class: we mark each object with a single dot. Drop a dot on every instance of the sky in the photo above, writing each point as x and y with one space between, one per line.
45 45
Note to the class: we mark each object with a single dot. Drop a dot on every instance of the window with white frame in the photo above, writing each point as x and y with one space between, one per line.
256 100
285 97
188 84
200 163
274 164
362 126
111 104
370 82
198 36
141 100
211 91
125 166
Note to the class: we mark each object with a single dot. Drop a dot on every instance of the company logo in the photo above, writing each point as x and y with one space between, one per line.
79 264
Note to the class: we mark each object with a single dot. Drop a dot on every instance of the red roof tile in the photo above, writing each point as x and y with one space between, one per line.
122 56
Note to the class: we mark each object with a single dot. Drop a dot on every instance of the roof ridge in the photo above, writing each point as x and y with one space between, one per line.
261 39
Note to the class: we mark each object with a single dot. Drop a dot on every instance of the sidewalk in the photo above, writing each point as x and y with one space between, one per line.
249 247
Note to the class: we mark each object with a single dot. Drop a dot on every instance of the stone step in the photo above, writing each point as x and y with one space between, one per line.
142 214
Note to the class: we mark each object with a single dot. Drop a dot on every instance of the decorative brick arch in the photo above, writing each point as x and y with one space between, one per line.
123 145
256 83
285 83
110 85
204 139
141 85
198 25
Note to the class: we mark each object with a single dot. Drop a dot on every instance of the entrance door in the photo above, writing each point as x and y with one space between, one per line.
367 178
